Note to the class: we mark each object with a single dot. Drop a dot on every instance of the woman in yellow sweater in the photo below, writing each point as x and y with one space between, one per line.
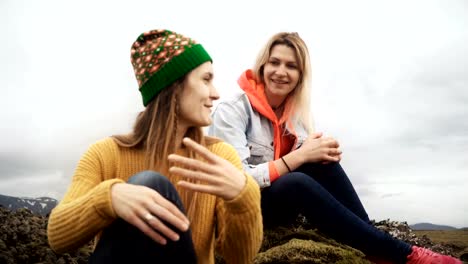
164 193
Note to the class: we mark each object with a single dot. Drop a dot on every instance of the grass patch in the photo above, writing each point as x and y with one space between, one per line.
458 238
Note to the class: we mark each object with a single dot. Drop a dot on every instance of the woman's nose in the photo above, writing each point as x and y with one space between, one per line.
214 95
281 70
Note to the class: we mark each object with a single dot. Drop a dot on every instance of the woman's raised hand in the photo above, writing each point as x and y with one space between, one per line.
145 208
215 175
317 148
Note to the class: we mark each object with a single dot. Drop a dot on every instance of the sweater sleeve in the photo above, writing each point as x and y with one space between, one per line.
239 221
86 207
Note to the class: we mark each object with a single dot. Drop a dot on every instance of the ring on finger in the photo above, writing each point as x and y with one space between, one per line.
148 217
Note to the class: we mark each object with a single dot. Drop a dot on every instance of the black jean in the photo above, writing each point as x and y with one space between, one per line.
324 194
122 242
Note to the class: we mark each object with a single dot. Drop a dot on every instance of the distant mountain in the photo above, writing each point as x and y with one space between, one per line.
429 226
40 206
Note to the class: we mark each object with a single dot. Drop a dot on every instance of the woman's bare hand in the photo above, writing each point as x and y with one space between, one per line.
216 175
145 208
317 148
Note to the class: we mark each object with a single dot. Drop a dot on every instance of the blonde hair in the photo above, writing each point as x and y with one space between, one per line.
155 129
300 96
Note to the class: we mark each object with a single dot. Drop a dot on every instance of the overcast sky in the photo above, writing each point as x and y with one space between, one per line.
390 82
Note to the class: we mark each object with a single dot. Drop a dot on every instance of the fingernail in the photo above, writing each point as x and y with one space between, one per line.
176 237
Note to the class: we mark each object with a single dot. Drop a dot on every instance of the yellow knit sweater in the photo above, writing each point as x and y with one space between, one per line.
86 208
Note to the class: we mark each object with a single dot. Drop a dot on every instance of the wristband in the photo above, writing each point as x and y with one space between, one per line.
285 164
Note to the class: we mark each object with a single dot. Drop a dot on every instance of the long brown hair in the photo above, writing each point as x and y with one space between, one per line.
300 96
155 129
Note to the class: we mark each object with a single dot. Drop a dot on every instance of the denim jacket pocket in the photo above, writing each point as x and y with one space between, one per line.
259 153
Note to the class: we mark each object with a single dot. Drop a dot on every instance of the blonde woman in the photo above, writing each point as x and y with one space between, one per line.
164 193
298 170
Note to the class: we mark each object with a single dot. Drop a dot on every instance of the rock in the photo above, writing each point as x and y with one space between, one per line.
23 239
301 243
402 231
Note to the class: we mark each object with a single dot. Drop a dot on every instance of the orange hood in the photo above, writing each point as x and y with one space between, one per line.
257 97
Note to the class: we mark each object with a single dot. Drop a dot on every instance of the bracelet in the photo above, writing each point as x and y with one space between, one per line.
289 169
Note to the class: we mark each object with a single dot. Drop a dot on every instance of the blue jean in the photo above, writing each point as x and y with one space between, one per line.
122 242
324 194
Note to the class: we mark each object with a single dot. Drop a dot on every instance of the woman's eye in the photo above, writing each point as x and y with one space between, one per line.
274 63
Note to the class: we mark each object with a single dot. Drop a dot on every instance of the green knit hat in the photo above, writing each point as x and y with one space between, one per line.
160 57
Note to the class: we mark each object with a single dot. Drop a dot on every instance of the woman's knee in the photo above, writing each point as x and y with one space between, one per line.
336 166
160 184
149 179
293 179
295 182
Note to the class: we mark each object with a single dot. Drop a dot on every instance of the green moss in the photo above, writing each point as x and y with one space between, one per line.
307 251
281 235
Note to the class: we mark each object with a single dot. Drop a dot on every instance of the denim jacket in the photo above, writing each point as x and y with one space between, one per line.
251 134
